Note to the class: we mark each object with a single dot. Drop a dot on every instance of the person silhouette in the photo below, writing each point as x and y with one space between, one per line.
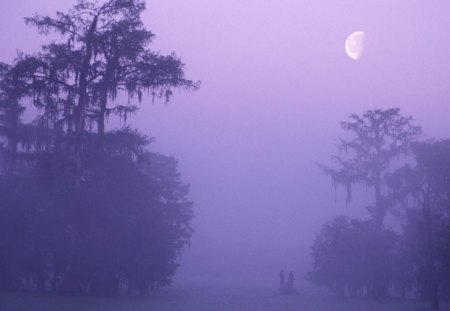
282 280
291 279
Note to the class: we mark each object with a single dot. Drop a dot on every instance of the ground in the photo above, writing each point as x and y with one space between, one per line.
210 298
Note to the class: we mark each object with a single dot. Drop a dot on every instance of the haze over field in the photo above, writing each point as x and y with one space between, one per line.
276 82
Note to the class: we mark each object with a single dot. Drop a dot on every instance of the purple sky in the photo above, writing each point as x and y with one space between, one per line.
275 83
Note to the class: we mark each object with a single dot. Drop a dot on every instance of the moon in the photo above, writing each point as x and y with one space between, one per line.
354 45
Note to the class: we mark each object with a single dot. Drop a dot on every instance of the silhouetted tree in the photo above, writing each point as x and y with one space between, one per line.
106 52
423 192
13 87
88 207
352 257
134 218
379 137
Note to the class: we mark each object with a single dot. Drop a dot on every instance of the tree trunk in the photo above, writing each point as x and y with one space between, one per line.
106 84
83 98
11 138
41 282
379 211
431 260
143 287
103 104
71 282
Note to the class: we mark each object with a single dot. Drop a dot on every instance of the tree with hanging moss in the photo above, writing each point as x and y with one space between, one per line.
378 137
88 207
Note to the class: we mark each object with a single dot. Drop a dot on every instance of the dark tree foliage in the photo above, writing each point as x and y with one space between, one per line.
134 217
357 257
423 192
84 209
379 136
106 51
13 87
353 257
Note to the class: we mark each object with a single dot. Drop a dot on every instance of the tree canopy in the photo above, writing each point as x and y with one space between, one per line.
379 136
85 208
361 257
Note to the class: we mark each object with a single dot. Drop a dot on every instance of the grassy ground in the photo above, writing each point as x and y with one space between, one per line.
207 299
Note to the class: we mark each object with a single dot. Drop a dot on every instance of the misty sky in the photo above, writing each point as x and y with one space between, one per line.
275 83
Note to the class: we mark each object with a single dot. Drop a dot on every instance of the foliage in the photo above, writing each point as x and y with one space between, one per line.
423 192
106 53
82 208
132 218
351 254
351 257
379 137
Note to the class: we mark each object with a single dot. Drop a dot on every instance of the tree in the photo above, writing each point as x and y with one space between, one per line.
13 87
89 206
352 257
423 192
106 52
379 137
134 219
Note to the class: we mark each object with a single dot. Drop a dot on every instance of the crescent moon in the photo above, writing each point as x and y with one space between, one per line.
354 45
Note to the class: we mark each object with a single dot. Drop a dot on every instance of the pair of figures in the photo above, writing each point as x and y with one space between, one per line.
290 282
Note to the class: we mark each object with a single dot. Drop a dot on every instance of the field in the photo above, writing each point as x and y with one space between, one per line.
183 298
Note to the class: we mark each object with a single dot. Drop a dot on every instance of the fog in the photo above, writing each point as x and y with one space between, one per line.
276 82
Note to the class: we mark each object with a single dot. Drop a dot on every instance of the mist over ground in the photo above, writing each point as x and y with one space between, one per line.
276 82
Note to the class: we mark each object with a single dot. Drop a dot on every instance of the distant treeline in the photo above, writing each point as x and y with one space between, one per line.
366 257
84 209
